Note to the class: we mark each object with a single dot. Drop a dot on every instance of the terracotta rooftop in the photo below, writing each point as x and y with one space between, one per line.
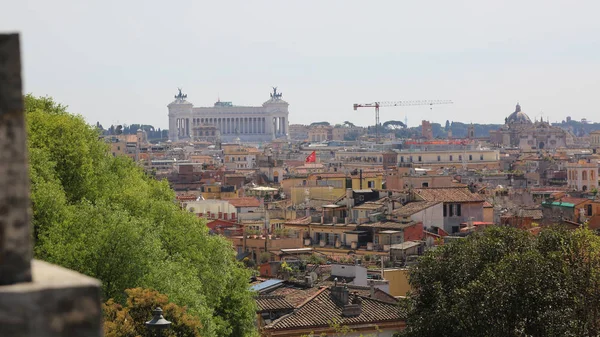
294 295
321 309
535 214
273 303
448 194
244 202
365 291
300 221
369 206
413 207
388 224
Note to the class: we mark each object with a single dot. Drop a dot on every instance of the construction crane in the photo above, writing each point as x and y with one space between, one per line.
377 105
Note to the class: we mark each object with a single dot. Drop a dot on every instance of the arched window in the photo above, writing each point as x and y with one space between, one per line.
584 175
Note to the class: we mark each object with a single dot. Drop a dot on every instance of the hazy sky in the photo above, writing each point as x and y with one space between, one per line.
121 61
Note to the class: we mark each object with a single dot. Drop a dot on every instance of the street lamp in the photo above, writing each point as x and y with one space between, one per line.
158 323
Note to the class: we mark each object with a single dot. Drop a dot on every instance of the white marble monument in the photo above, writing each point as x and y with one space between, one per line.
248 123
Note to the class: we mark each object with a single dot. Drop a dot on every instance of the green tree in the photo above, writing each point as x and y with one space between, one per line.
507 282
105 217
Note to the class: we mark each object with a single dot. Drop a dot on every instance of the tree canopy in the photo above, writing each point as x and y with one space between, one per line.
508 282
104 217
320 123
128 320
394 125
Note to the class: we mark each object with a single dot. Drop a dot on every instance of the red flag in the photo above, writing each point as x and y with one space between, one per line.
312 157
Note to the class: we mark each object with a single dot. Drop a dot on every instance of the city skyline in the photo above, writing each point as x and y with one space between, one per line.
323 56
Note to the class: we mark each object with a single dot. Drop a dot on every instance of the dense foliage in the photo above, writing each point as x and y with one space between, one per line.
104 217
508 282
128 320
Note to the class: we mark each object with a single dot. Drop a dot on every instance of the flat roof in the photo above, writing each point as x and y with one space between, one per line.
389 232
296 250
405 245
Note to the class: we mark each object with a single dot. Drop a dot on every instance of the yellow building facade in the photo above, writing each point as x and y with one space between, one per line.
398 280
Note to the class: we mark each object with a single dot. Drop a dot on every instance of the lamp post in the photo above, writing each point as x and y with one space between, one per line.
158 323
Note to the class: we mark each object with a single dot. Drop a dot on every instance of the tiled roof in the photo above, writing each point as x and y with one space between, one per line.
388 225
244 202
413 207
272 303
534 213
365 291
330 175
369 206
301 221
294 295
322 309
448 194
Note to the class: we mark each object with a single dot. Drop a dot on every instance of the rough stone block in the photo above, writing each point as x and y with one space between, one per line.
57 303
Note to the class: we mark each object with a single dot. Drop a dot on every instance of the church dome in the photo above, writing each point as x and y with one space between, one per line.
518 117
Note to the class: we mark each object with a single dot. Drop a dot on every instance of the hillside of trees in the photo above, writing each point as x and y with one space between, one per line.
154 134
104 217
459 130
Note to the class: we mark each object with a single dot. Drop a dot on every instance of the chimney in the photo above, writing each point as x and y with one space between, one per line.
349 203
360 178
340 293
309 281
353 309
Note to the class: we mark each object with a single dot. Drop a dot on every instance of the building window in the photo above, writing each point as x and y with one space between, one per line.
425 185
589 210
419 158
445 210
470 157
411 159
450 210
371 184
118 148
402 159
439 158
480 157
450 157
458 209
460 157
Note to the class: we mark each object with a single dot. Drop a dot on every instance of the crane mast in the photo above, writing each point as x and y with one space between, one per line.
377 105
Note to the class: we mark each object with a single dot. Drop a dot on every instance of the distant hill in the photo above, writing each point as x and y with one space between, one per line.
459 130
